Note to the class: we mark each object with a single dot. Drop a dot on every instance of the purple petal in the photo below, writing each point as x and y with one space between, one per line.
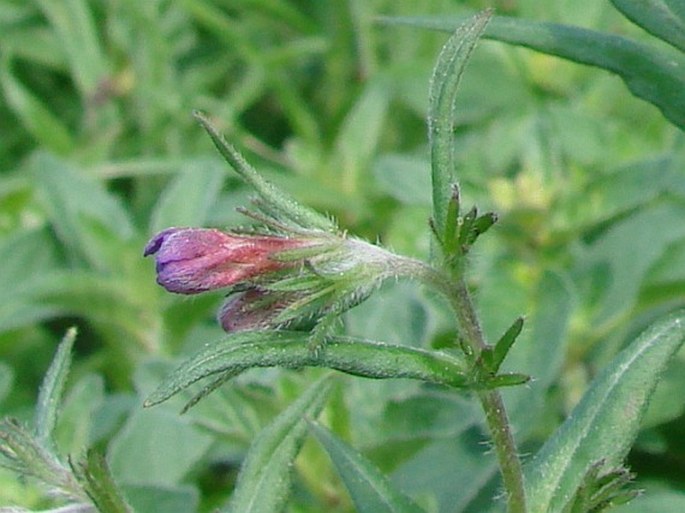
156 242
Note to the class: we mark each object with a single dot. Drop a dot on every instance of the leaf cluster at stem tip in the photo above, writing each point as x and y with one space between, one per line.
460 230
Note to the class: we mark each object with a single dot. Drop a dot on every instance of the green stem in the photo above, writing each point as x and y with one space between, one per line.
496 416
505 447
491 400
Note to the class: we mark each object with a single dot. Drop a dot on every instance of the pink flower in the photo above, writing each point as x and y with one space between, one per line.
192 260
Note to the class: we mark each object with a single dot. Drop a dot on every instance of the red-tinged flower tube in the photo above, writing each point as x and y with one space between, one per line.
193 260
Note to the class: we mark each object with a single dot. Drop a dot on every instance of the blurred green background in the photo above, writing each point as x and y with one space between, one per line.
98 151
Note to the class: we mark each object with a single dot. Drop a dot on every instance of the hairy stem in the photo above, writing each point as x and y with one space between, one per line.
457 292
505 448
491 400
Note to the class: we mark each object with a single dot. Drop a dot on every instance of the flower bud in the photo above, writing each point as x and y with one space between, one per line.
253 308
300 269
279 279
331 279
192 260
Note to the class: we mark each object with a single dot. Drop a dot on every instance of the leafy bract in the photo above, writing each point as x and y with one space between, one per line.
262 348
277 202
604 424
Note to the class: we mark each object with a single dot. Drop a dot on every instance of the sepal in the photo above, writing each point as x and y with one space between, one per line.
493 356
600 491
460 230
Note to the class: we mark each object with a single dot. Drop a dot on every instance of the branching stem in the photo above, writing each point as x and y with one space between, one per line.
491 400
457 292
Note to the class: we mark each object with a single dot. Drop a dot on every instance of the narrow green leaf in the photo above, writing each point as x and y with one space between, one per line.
265 476
426 414
540 349
505 342
208 389
73 200
605 422
452 222
36 44
75 26
94 476
403 177
466 233
51 390
105 300
441 115
34 115
284 205
626 251
650 73
370 490
663 18
456 471
248 349
484 222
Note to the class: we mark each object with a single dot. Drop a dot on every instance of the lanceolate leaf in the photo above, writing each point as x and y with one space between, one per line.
73 201
264 479
441 116
75 27
604 424
245 350
663 18
505 342
52 388
370 490
652 74
276 201
33 114
94 476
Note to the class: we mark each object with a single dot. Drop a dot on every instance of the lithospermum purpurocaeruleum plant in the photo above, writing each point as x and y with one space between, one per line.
292 276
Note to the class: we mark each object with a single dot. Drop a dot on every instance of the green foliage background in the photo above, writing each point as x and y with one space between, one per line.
98 150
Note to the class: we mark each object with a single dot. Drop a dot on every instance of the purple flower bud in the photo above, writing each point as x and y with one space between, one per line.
192 260
253 308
